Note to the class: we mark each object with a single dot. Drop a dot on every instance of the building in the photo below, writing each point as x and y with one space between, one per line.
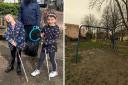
71 30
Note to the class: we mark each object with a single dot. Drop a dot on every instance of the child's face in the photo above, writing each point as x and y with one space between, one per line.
51 21
7 19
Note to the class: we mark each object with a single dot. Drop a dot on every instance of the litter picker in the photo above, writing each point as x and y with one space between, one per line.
46 55
26 77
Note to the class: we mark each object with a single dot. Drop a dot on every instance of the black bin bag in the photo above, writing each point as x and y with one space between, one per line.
32 43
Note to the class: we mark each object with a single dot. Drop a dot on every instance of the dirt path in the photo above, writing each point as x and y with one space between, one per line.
98 67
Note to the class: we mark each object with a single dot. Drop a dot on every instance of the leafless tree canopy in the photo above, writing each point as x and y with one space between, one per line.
90 20
122 8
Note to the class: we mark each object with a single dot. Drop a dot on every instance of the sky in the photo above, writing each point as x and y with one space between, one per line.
11 1
76 10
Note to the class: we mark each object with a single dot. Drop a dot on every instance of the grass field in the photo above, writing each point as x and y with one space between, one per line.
98 63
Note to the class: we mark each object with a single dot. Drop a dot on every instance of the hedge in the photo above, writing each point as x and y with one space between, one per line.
9 8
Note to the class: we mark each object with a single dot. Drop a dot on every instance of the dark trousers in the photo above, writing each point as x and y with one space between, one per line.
14 54
30 48
27 28
52 60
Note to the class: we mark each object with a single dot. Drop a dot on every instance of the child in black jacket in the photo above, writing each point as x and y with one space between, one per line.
50 32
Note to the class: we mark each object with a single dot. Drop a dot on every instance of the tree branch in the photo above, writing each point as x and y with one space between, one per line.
124 1
122 15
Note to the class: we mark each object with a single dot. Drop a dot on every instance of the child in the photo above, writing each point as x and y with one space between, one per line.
15 36
51 33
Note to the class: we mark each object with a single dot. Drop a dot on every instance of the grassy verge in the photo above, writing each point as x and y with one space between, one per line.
75 73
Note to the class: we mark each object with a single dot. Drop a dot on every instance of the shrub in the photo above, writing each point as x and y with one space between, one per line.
9 8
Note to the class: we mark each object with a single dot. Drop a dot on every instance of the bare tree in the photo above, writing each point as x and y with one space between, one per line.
91 20
119 3
105 21
111 19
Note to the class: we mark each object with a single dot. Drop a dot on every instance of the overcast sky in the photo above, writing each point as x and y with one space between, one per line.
76 10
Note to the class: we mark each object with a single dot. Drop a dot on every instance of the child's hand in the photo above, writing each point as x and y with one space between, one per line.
42 35
13 43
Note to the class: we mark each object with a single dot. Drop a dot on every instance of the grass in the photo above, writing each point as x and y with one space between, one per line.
73 70
121 47
71 46
84 45
91 44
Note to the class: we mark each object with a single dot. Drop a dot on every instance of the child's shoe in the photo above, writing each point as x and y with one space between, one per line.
19 71
53 74
9 69
35 73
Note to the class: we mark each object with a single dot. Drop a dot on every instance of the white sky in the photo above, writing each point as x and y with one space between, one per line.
76 10
11 1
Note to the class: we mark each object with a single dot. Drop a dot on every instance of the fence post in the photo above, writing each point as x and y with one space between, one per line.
77 47
113 39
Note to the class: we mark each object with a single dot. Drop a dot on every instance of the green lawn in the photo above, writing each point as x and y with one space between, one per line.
121 47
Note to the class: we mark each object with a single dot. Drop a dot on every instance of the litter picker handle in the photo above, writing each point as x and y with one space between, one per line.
46 55
26 77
